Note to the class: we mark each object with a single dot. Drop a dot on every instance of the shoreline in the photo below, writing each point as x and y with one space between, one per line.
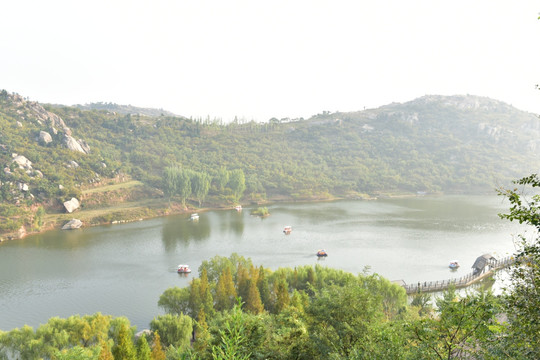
55 221
152 210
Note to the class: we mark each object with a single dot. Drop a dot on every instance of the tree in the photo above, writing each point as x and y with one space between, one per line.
175 300
200 185
174 330
170 180
217 264
222 178
232 338
242 282
264 288
105 352
522 297
281 289
195 300
205 294
202 335
183 186
461 327
124 349
341 318
77 353
253 303
143 349
157 348
237 183
225 291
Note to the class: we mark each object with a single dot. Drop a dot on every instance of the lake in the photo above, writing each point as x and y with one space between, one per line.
122 269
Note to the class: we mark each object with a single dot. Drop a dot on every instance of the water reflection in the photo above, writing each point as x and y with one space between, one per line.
181 230
231 223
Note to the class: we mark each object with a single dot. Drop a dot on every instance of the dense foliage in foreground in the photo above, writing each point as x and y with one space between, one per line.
235 310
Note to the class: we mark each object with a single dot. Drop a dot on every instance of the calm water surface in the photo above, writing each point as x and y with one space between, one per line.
123 269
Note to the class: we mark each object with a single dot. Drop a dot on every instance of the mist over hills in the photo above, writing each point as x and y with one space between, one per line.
451 144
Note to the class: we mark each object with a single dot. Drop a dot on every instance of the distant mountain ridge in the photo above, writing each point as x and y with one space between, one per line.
125 109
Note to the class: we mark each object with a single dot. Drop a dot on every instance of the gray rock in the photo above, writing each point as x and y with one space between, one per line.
72 164
72 224
84 145
38 173
71 205
45 137
74 145
145 332
23 162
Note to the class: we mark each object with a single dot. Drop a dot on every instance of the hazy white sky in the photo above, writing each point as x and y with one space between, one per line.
262 59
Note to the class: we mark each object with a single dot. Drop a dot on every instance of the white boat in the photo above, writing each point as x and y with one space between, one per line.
183 269
194 217
454 264
287 230
238 208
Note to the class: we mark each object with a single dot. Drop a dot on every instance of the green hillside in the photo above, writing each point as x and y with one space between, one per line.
457 144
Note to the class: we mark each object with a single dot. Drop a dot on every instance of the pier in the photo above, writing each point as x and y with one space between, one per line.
489 268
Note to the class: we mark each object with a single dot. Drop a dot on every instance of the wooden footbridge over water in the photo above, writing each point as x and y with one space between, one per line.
484 266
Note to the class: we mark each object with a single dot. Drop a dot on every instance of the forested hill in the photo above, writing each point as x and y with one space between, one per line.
463 144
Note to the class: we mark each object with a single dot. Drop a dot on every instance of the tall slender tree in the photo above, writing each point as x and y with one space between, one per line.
253 303
264 289
237 183
143 349
124 349
157 348
281 290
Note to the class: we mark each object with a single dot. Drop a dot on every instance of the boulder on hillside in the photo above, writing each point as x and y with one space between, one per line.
45 137
71 205
23 162
74 145
84 145
72 224
38 174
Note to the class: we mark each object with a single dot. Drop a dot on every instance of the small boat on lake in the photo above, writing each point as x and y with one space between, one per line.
238 208
454 264
322 253
183 269
194 217
287 230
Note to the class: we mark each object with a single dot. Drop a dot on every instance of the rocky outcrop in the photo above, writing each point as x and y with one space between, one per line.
45 137
71 205
84 146
72 164
72 224
23 162
43 117
75 145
